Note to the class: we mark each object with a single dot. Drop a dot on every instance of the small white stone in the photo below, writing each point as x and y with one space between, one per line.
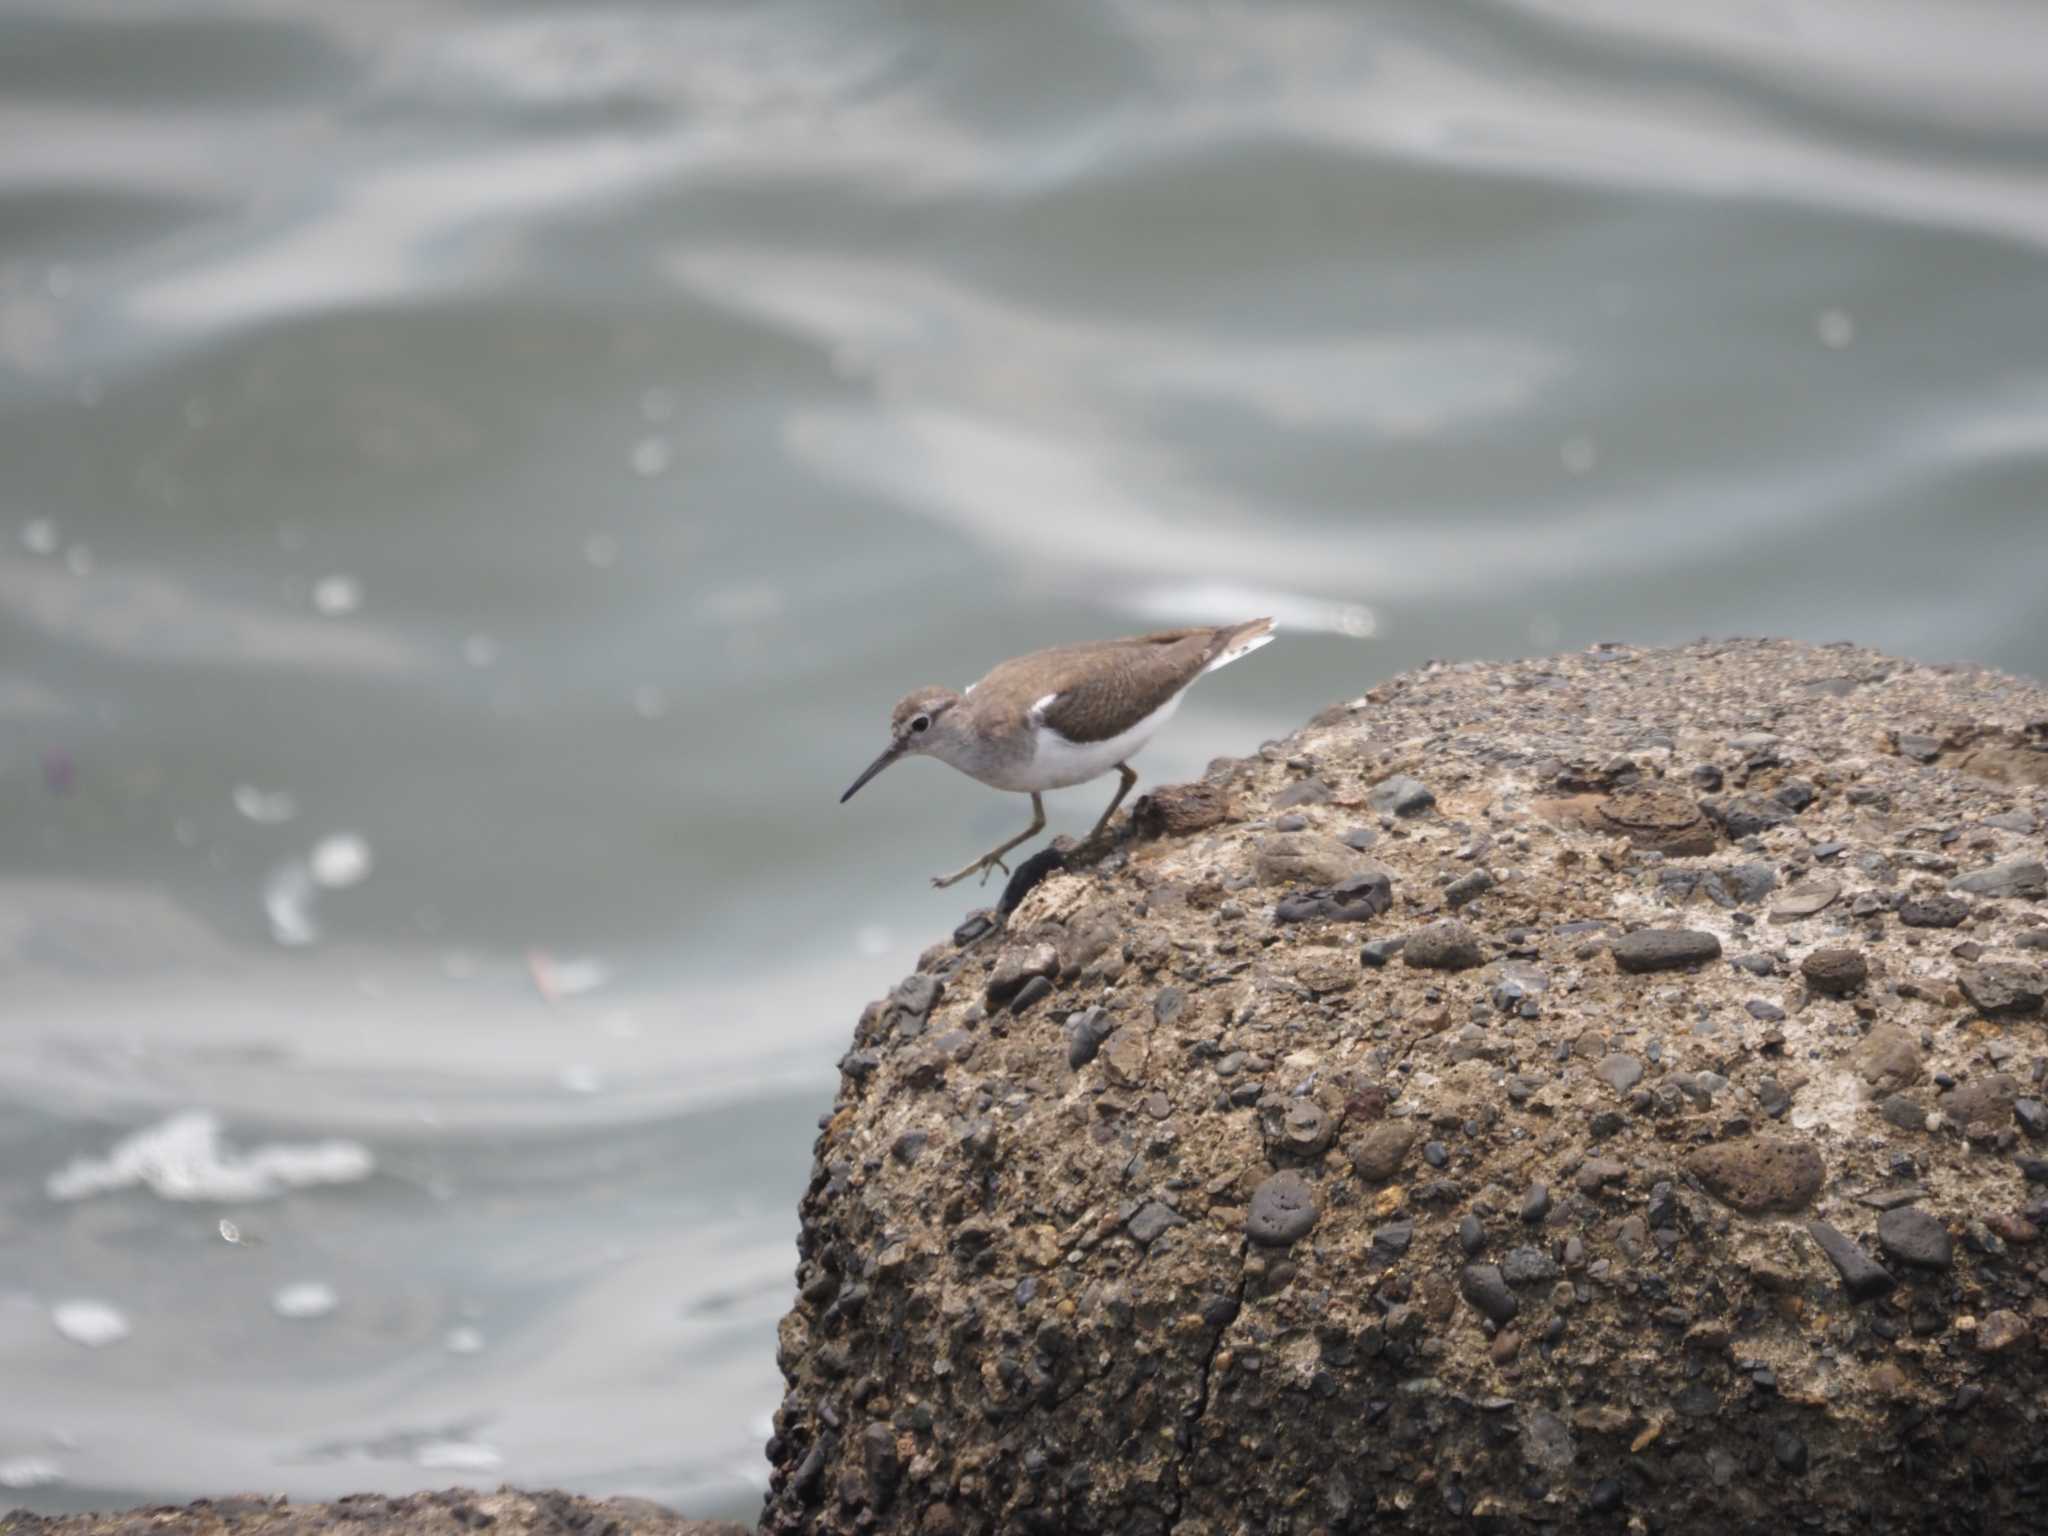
91 1323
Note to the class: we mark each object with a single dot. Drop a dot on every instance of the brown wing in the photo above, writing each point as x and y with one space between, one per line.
1100 689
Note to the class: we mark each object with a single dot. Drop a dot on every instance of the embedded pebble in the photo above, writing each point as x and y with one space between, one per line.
1153 1219
2000 990
1760 1173
1448 945
1863 1278
2021 877
1620 1072
1908 1235
1486 1288
1400 796
1836 972
1664 949
1282 1210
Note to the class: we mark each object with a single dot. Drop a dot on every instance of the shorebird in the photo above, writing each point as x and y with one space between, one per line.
1059 717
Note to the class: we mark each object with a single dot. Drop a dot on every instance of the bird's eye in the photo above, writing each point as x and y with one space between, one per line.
921 723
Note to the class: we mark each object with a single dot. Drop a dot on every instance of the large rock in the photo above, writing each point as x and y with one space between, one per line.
1275 1272
1761 1173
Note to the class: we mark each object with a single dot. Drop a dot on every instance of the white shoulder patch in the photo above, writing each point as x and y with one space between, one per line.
967 690
1038 709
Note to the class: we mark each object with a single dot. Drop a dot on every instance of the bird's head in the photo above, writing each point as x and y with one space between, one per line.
918 724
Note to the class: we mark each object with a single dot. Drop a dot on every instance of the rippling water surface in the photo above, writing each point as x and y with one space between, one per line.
473 478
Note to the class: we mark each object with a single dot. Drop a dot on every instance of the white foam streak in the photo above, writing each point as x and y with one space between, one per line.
185 1158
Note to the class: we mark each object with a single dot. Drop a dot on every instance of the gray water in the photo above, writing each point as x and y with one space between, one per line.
474 478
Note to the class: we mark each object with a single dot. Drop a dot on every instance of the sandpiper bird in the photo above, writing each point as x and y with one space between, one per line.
1059 717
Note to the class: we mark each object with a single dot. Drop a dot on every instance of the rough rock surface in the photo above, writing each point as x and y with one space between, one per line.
1689 1329
456 1512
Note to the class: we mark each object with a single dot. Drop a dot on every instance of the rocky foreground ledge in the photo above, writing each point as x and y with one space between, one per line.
1596 1093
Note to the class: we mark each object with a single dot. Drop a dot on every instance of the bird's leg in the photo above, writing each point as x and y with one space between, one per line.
1115 800
993 859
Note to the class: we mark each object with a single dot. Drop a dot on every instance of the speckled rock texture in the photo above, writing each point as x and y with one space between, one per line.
456 1512
1586 1234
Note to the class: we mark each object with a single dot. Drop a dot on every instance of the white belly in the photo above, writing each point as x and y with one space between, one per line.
1058 762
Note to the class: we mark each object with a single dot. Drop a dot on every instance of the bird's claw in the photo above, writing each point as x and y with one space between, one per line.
981 866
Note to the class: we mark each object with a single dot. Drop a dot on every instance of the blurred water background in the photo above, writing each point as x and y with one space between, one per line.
474 477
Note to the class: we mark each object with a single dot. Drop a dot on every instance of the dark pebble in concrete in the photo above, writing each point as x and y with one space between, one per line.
1471 1233
1152 1219
917 994
1795 795
977 924
1086 1032
1620 1071
1032 991
1390 1242
1746 815
1910 1235
2000 990
1360 838
1380 951
1933 911
1436 1154
1484 1286
1835 971
1528 1266
2022 877
1862 1276
1448 945
909 1146
1664 949
1468 888
1596 1173
1305 792
1282 1211
1400 796
1536 1203
1790 1451
1903 1112
2032 1116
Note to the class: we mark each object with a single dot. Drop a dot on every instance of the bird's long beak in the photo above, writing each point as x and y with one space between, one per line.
889 755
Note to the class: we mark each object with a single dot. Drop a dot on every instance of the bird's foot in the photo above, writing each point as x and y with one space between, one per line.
984 865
